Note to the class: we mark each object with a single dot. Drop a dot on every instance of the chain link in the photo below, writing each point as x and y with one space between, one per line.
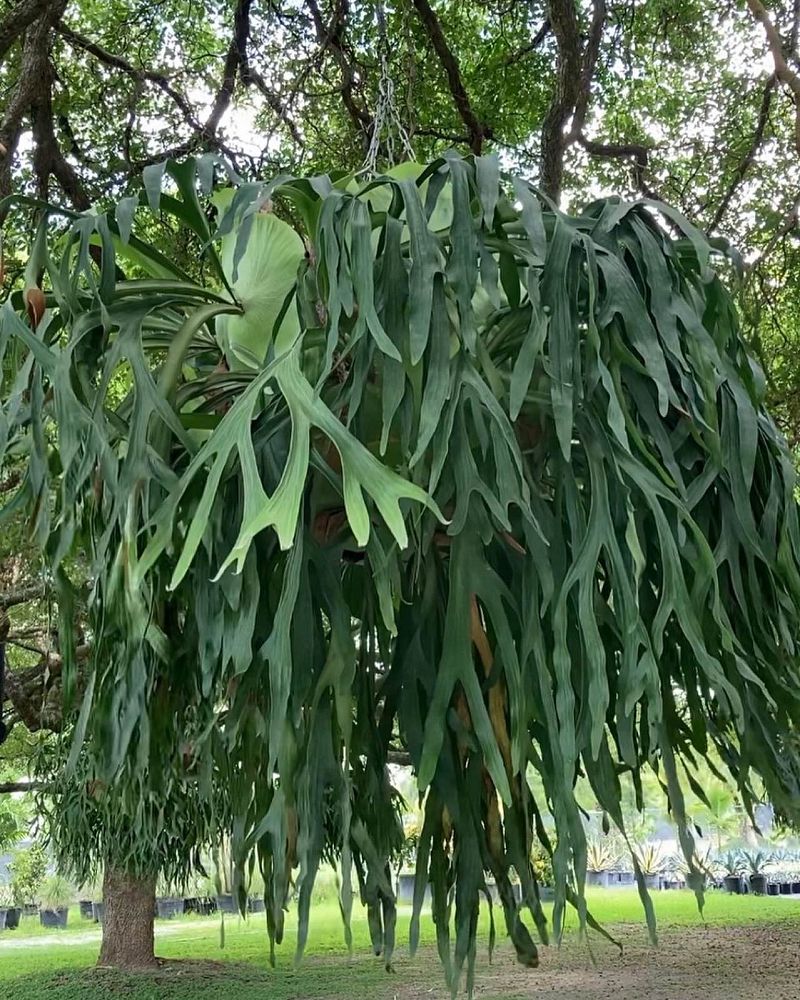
387 126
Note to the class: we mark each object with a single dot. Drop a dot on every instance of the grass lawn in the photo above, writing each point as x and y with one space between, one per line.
34 961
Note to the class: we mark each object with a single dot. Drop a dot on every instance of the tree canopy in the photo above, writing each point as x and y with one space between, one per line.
695 102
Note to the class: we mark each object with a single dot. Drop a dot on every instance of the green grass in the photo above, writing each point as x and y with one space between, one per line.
59 959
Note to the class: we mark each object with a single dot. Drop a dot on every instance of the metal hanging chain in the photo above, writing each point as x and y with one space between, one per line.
387 125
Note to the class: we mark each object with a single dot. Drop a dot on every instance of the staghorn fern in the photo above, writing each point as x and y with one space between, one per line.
499 496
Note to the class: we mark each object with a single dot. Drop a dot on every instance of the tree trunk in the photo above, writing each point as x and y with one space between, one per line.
128 941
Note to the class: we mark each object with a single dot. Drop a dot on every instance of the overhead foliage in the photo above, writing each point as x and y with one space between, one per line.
502 495
695 102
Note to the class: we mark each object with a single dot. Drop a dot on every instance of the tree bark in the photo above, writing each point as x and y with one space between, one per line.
128 939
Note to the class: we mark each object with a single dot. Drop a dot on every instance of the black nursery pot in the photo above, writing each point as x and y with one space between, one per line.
54 918
227 904
98 912
169 907
733 883
12 918
255 904
85 906
758 884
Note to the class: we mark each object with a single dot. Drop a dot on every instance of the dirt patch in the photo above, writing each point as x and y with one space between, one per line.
701 963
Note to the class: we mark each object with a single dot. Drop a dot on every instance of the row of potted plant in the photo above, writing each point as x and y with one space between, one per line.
605 859
762 871
171 906
55 896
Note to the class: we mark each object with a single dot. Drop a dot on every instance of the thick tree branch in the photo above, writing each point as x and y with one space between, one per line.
564 123
236 65
236 57
637 152
250 76
34 77
48 159
36 692
332 37
565 28
7 787
18 19
783 70
15 597
478 130
591 53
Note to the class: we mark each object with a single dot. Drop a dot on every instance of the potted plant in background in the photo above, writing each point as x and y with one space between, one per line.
543 870
755 862
651 863
56 895
168 903
87 901
731 866
407 856
600 859
223 879
12 906
28 868
6 903
202 901
255 904
675 872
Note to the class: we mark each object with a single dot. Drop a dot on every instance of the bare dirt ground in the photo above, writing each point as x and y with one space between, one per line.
706 963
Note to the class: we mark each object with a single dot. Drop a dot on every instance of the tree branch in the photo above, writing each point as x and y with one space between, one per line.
17 20
478 131
11 482
563 19
48 158
274 102
590 56
30 593
7 787
236 57
331 37
138 74
747 160
532 45
783 70
34 75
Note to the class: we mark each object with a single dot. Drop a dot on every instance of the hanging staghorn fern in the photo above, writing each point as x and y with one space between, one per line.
433 468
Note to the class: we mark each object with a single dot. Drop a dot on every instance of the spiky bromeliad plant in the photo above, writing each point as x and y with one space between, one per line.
498 492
